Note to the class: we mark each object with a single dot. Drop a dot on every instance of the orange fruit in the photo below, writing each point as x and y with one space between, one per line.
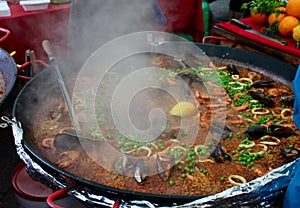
277 16
287 24
293 8
259 18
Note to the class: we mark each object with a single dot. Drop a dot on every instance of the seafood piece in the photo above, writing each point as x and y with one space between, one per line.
226 132
256 132
122 164
262 98
254 75
276 92
140 171
288 100
220 154
280 131
237 180
263 83
64 141
165 171
232 69
290 154
67 158
167 63
286 114
49 143
189 77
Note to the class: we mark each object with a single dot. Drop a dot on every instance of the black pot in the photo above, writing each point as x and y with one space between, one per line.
30 96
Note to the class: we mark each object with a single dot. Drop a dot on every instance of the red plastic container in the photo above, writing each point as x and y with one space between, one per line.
30 193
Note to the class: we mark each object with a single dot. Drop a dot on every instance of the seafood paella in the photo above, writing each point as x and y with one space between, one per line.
258 133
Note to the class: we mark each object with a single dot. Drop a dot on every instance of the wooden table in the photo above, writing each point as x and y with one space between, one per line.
258 43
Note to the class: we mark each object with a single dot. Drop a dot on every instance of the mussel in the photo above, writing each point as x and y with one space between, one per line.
63 142
165 168
189 78
232 69
290 154
263 83
122 164
140 171
280 131
262 98
288 100
219 154
256 132
193 60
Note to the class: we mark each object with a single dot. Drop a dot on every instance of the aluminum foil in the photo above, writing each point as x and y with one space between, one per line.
37 173
261 192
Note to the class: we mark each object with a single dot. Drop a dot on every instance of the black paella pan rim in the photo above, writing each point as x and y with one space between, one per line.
284 70
9 72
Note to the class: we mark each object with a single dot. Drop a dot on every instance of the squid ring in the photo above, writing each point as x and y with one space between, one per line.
145 148
247 80
241 85
277 141
288 111
265 148
236 177
152 144
259 111
235 77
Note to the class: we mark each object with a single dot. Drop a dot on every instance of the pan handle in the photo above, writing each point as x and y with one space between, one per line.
61 193
213 38
117 204
7 33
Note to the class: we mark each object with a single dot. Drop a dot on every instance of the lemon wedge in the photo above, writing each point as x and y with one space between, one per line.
183 109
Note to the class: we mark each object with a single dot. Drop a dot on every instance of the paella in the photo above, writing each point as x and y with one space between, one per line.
257 135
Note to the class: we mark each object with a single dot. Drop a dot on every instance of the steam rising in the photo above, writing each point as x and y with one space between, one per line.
95 22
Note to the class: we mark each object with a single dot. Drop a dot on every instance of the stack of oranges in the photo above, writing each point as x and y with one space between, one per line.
288 18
